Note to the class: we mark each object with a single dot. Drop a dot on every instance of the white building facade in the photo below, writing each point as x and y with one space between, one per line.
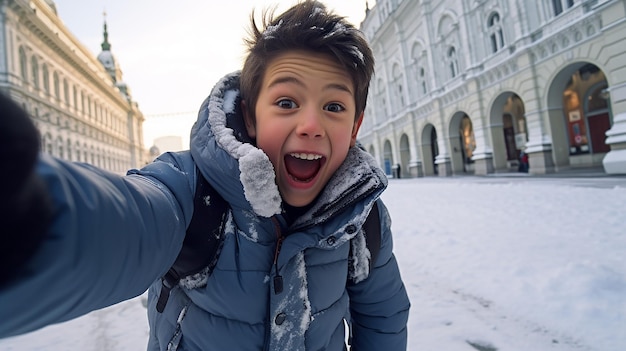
80 104
468 87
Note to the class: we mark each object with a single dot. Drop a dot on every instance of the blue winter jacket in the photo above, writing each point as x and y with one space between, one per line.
113 237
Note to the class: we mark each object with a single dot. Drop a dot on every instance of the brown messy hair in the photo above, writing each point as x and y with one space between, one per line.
306 26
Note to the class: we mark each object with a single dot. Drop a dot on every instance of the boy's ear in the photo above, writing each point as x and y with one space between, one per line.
355 129
249 120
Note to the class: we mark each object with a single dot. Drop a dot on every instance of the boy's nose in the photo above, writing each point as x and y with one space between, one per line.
310 124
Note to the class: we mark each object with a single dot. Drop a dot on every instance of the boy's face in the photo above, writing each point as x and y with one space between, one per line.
304 122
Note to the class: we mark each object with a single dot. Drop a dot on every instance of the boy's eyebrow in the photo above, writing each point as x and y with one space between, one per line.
296 81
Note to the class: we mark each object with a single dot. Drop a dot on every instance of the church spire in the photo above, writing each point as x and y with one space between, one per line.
106 46
109 62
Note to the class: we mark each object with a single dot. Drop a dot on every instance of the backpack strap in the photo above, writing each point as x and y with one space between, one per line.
203 239
372 233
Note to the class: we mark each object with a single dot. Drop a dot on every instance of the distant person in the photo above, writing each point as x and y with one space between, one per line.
523 162
278 141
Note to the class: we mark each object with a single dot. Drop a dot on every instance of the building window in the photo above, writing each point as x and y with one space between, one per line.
66 92
47 144
61 149
75 96
452 62
69 150
495 32
23 64
422 80
46 78
559 5
77 151
396 88
55 80
401 95
419 63
35 68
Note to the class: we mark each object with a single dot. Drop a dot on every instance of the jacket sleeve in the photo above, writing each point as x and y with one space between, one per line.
379 305
110 237
25 210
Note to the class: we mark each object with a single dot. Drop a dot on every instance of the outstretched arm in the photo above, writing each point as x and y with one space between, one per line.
25 207
95 238
379 305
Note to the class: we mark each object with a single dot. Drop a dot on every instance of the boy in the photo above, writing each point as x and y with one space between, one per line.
278 142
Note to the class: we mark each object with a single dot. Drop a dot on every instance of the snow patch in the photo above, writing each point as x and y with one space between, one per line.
358 54
304 294
230 98
254 235
271 30
259 184
338 29
317 11
359 261
197 280
206 200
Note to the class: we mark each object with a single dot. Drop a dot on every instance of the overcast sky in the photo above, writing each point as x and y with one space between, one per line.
172 52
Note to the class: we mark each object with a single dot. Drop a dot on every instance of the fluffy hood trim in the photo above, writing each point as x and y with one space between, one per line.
229 160
220 131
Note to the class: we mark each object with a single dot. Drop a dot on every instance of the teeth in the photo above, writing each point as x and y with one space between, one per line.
304 156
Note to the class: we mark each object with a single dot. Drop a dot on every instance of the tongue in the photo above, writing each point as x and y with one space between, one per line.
301 169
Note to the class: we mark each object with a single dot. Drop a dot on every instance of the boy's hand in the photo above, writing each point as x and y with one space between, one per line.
25 208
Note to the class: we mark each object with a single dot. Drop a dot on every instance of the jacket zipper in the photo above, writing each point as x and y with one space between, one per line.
278 279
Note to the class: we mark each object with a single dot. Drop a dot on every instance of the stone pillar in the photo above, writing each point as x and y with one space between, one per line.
483 164
443 161
539 145
499 158
415 169
615 160
444 165
483 155
427 167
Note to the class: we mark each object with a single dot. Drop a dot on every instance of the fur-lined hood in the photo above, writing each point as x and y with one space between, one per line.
244 175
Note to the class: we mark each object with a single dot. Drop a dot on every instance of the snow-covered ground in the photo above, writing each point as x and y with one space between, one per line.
507 264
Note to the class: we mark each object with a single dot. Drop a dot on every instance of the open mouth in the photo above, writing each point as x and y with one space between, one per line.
303 167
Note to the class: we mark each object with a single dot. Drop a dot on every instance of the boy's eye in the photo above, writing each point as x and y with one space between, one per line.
286 103
334 107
